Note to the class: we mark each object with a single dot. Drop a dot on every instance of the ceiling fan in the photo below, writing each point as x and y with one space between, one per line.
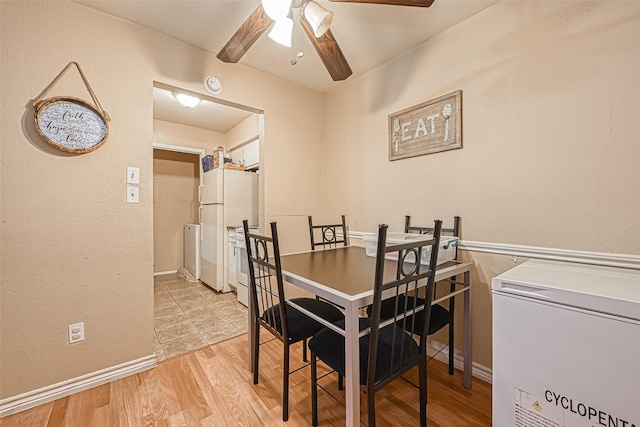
314 19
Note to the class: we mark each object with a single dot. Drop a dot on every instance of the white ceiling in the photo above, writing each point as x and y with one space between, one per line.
368 34
207 114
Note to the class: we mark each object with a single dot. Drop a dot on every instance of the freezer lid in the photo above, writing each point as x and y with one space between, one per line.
608 290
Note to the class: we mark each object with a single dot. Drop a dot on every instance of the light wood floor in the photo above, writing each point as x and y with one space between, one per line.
212 387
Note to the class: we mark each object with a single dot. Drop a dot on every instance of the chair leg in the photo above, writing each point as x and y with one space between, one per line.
256 353
426 380
371 397
422 373
285 385
304 351
451 346
451 328
314 390
340 382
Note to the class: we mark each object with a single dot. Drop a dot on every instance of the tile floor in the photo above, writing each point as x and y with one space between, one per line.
190 315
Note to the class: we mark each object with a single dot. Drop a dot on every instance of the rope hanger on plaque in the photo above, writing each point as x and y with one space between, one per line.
71 124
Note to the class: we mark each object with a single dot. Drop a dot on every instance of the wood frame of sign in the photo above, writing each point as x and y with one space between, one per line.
426 128
71 124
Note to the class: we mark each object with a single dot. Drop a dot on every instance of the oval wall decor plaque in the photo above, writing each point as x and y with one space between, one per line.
71 124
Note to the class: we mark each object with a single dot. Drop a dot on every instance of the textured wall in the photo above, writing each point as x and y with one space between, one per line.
550 136
245 131
71 249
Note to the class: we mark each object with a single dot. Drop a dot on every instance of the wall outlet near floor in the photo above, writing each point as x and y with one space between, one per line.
76 332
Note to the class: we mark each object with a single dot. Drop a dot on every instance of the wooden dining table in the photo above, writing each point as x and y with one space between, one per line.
345 277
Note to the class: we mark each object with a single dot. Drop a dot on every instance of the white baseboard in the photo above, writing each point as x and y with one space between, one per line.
479 371
33 398
162 273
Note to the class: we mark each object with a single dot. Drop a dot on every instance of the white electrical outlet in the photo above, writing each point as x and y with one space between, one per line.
133 175
133 194
76 332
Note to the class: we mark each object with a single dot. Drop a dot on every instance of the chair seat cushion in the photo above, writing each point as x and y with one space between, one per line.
329 347
300 325
439 315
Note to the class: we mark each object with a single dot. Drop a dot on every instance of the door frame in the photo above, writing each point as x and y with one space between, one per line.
181 149
186 150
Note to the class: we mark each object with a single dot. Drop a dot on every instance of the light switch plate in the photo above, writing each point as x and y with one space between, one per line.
133 175
76 333
133 194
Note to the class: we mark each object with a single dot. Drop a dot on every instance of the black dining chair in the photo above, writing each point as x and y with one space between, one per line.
390 349
272 311
441 316
326 235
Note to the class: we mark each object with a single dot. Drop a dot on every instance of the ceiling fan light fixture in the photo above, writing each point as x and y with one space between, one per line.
187 100
276 9
318 17
281 32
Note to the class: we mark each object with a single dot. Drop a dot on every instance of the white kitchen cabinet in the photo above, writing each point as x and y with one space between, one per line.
251 154
248 154
236 156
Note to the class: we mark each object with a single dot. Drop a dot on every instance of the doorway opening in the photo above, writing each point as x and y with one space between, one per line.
187 313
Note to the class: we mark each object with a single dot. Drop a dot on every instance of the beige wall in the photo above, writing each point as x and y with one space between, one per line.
71 249
550 128
245 131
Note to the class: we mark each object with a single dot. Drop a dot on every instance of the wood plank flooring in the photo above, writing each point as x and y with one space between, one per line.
212 387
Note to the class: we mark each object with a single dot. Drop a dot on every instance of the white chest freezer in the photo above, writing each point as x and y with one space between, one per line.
566 346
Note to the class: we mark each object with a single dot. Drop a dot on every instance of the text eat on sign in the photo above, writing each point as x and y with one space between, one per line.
430 127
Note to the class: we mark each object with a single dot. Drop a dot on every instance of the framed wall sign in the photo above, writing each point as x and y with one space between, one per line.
430 127
71 124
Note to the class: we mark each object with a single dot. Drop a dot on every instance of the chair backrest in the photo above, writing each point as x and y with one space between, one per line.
326 236
453 231
266 289
410 273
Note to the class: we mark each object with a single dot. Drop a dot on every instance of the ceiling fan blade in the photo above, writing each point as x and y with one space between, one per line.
417 3
329 51
256 24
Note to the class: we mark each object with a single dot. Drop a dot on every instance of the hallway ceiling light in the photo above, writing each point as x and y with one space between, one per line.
187 100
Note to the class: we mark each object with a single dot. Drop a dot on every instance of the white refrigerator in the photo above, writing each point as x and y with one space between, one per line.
227 197
566 346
